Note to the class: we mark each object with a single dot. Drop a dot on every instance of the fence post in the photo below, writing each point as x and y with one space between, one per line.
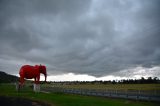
126 93
138 94
103 92
149 97
80 91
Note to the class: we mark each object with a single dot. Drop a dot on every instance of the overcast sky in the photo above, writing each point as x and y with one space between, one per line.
94 38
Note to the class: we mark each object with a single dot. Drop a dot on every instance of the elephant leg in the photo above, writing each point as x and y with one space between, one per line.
21 81
36 86
38 77
35 80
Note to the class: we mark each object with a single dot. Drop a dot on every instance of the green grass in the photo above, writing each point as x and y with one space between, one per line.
110 86
60 99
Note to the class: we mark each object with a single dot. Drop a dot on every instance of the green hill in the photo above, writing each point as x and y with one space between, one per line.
7 78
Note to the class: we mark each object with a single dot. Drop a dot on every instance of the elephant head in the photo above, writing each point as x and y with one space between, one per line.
42 69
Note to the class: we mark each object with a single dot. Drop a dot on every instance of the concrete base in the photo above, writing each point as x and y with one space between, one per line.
36 87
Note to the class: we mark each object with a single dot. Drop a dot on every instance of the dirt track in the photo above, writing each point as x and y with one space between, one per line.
17 101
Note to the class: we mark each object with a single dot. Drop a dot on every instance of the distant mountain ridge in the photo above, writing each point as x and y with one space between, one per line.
7 78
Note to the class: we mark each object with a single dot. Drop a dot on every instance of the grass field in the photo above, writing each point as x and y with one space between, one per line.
60 99
109 86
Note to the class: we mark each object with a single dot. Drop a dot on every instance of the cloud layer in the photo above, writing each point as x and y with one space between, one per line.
84 37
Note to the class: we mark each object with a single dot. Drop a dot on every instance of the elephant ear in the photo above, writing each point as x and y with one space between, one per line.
36 67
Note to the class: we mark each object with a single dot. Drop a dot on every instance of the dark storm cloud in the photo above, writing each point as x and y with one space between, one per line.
145 40
87 37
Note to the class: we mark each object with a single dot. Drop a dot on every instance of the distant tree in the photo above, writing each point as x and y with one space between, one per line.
142 80
155 79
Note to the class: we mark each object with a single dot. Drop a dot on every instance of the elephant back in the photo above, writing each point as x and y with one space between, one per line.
28 71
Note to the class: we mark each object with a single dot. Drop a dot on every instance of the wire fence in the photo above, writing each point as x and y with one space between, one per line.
149 95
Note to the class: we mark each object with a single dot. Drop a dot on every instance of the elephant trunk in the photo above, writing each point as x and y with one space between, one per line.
45 77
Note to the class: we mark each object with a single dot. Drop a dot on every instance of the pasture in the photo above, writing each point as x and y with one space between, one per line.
145 87
61 99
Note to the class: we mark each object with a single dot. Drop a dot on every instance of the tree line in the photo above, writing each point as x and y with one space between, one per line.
142 80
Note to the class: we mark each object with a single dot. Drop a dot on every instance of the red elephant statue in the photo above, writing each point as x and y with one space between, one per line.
29 72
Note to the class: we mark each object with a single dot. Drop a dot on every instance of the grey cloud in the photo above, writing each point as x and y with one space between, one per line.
146 38
91 37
